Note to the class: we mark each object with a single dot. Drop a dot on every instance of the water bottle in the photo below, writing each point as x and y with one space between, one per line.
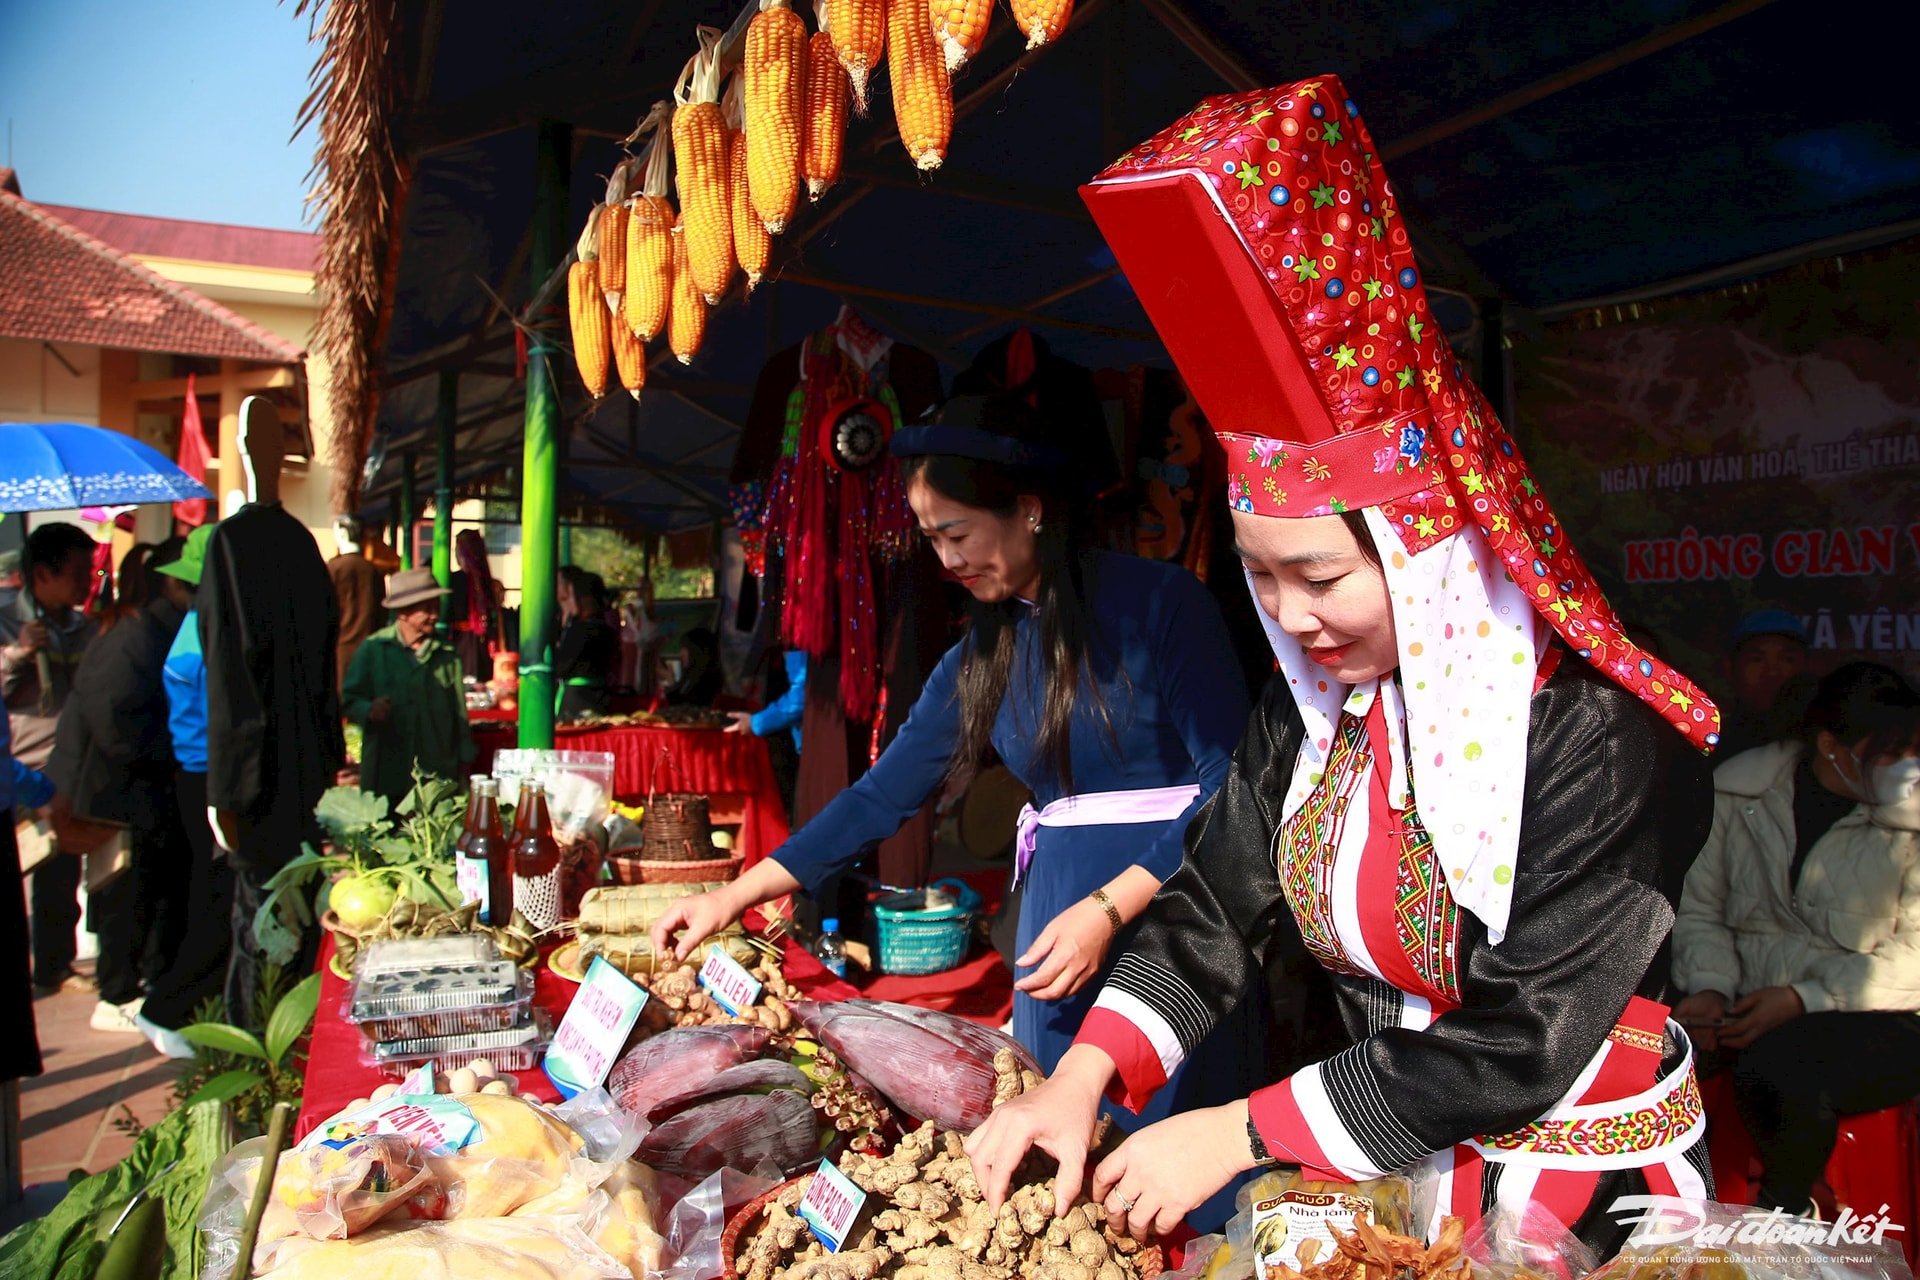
829 950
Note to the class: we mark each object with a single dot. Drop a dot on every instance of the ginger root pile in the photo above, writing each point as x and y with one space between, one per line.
927 1220
680 1001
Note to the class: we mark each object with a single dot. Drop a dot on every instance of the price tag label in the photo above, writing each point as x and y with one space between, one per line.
441 1125
728 980
831 1206
594 1029
470 875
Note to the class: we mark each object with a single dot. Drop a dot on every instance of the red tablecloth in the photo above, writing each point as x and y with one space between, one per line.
337 1073
726 766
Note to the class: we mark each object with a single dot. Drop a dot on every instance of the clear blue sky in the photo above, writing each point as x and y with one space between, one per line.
178 108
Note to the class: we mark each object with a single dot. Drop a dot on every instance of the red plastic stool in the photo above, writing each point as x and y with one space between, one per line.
1876 1160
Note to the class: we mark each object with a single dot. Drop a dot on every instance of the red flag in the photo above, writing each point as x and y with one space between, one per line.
194 457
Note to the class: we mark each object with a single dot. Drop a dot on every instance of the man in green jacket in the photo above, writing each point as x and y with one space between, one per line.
405 689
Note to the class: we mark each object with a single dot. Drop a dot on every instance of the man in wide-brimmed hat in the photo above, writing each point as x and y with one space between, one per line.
405 689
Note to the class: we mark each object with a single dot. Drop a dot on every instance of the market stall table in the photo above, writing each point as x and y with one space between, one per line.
337 1072
732 769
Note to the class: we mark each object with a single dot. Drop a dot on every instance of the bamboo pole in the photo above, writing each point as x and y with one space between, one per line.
540 465
446 422
409 511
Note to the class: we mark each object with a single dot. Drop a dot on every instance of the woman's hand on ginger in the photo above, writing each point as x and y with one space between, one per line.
1057 1116
1163 1172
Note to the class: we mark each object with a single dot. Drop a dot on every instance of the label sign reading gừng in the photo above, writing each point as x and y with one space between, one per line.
728 980
831 1206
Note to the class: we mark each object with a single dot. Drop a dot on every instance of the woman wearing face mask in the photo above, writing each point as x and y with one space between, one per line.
1105 681
1799 931
1468 794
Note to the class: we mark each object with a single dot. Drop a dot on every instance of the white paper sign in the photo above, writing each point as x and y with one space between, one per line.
831 1206
728 980
594 1029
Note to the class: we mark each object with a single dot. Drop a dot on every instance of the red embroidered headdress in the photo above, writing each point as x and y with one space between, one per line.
1261 235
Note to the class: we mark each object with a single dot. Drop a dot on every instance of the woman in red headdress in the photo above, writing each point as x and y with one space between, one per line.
1467 794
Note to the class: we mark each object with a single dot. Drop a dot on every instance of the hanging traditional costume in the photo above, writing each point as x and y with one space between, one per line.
1484 847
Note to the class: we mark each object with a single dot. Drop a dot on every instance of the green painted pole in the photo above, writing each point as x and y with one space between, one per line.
444 419
540 467
408 512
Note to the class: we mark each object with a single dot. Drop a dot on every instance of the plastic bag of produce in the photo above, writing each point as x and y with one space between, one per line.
1676 1239
472 1249
932 1066
662 1064
775 1133
1284 1223
1528 1245
700 1219
333 1190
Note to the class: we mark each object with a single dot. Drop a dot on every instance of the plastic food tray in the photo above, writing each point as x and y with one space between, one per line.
512 1049
407 1004
391 955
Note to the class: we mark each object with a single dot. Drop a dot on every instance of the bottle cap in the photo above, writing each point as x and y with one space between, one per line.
830 924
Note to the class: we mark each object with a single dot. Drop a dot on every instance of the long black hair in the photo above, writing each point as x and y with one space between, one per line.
1070 639
1860 700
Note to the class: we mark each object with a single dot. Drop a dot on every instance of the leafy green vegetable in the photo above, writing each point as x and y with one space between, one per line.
69 1242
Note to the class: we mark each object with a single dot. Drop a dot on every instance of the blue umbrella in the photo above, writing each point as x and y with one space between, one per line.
62 466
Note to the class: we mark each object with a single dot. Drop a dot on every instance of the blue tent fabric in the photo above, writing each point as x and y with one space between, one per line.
1757 134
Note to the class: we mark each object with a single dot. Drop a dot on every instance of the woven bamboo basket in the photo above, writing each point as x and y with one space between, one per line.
677 828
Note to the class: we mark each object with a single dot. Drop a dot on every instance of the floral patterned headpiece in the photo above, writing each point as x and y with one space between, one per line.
1262 237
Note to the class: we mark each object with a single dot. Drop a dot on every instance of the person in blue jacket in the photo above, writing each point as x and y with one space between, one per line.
29 789
1106 682
199 967
785 711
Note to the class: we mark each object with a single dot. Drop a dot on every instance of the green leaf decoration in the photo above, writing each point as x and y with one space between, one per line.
228 1084
222 1038
279 944
346 811
291 1017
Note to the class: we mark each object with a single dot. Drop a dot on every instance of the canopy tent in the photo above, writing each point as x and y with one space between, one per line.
1548 159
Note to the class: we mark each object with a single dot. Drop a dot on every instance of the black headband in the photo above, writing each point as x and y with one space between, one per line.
972 442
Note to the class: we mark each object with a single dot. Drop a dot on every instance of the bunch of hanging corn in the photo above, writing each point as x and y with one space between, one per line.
700 152
751 243
1041 20
587 309
650 234
826 125
922 92
687 320
859 32
962 27
775 71
629 357
613 240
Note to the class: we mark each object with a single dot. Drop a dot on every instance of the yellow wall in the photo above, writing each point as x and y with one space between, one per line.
36 387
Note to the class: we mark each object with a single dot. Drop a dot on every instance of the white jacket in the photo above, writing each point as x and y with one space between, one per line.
1848 939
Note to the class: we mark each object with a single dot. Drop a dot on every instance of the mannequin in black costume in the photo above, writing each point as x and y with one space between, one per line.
268 622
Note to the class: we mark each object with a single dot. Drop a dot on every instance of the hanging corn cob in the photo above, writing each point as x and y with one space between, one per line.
775 71
825 139
650 233
922 93
613 239
587 310
751 243
687 321
700 154
962 27
859 32
1041 20
629 356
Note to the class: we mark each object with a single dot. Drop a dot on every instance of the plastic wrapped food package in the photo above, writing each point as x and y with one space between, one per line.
479 1249
387 955
515 1048
439 999
932 1066
579 787
1284 1223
